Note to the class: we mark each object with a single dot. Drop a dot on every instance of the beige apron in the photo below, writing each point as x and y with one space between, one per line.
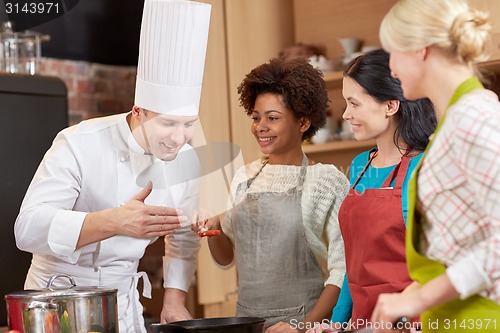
279 277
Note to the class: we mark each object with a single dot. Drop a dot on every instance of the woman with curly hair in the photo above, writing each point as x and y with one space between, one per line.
283 231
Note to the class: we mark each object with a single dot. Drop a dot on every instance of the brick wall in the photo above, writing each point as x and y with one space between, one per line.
94 90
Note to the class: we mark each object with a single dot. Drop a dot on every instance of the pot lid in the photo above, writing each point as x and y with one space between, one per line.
51 292
7 34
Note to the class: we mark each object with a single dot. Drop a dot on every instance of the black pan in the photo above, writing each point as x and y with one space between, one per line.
213 325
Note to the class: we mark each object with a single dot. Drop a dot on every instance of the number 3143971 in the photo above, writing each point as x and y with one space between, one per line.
32 8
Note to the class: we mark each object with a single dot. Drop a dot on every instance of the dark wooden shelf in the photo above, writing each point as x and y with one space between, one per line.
333 79
336 146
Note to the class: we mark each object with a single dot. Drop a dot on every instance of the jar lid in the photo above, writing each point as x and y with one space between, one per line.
23 36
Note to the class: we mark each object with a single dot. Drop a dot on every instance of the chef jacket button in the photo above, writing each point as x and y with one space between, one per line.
124 157
122 204
97 269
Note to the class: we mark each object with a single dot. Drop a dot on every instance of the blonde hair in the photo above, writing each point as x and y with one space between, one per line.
459 31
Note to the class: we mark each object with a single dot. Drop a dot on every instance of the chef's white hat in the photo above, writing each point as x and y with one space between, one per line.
172 49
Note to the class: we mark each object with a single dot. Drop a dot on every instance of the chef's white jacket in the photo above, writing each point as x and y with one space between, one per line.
92 166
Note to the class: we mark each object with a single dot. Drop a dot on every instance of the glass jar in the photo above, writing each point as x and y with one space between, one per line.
20 52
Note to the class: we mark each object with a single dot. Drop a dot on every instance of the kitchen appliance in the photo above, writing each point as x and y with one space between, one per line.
76 309
213 325
20 52
33 110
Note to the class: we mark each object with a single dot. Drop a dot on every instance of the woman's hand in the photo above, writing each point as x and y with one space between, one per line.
391 307
411 287
412 302
206 223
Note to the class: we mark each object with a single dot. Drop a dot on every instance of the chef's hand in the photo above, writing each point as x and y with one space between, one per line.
325 327
136 219
282 327
204 220
391 307
174 308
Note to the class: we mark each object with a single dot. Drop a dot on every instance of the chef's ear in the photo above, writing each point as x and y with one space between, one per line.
305 123
136 111
392 108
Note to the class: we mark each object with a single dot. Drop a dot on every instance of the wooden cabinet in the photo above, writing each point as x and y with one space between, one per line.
322 22
493 8
339 153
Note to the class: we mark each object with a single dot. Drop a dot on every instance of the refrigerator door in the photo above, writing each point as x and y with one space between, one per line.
33 110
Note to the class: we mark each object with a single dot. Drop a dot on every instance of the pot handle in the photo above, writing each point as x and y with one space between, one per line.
168 328
52 279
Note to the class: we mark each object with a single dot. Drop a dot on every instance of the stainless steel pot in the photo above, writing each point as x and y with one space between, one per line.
77 309
213 325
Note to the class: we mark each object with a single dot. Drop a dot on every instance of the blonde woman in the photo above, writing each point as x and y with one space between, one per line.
453 240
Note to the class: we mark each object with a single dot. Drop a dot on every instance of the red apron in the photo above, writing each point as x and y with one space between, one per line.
373 229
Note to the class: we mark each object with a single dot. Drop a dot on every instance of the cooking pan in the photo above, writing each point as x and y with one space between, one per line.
213 325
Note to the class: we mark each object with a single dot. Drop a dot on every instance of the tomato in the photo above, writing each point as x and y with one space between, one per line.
209 233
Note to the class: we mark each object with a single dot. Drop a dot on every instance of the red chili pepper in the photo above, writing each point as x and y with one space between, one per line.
209 233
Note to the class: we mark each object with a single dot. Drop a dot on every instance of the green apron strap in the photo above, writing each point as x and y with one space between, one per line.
423 269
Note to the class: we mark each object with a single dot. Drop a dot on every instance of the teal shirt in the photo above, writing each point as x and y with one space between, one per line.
373 178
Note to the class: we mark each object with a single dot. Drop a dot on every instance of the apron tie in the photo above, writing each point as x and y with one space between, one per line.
146 292
146 289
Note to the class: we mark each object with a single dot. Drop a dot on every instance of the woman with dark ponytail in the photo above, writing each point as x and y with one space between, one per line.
373 216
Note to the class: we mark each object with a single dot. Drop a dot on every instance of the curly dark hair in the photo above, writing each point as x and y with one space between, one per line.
300 84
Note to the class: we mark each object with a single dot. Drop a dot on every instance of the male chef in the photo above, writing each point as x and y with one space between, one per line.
108 187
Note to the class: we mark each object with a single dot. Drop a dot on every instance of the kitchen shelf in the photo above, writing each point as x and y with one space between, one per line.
333 79
491 66
337 146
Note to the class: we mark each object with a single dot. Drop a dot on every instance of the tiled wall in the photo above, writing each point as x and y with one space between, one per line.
94 90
